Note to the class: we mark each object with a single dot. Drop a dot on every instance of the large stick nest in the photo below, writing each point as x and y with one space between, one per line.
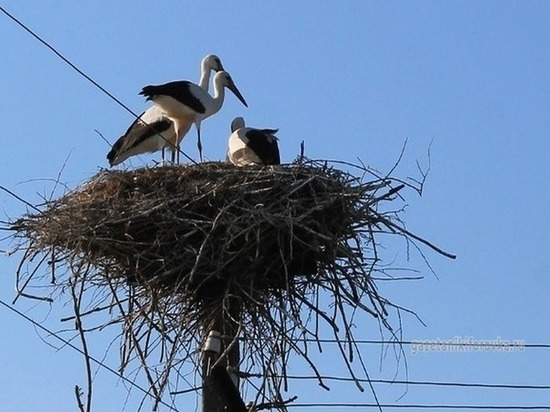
201 231
171 246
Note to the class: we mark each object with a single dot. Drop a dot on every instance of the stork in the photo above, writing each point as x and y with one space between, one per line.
153 130
186 103
249 146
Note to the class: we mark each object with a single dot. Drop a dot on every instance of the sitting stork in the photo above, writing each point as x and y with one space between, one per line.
249 146
153 130
186 103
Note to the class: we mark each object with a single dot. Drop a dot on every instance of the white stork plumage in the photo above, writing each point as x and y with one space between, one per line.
249 146
186 103
153 130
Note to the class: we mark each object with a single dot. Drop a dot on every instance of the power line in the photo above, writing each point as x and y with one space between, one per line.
485 343
67 61
292 377
297 377
76 348
419 406
79 71
420 383
432 345
336 378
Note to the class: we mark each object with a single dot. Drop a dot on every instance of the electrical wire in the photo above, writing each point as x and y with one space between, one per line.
296 377
299 377
483 343
67 61
334 378
420 383
420 406
76 348
329 405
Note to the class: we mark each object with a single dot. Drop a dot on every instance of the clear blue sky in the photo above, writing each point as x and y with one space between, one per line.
352 79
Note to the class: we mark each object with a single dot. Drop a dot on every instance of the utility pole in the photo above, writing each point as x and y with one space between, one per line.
220 390
211 401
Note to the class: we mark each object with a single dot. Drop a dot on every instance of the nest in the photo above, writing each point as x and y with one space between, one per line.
176 251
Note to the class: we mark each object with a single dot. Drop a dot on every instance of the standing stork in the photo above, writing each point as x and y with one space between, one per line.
153 130
249 146
186 103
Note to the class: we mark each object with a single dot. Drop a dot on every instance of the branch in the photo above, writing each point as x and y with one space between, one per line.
271 405
78 394
392 225
77 299
20 199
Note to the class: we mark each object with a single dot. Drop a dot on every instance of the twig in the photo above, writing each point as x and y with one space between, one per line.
19 198
78 395
400 229
77 299
271 405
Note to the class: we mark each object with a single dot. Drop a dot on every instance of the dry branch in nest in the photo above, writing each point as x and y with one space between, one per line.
171 251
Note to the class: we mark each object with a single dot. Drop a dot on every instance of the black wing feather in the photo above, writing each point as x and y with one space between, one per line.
153 129
264 144
144 132
179 90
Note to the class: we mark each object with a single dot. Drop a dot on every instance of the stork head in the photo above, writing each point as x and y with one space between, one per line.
212 62
237 123
224 79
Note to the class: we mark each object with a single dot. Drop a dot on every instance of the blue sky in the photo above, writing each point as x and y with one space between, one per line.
352 79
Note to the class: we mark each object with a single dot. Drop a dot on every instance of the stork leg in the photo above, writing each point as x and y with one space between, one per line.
199 144
173 158
176 144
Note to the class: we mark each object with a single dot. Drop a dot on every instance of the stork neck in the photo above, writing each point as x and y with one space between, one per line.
205 76
217 101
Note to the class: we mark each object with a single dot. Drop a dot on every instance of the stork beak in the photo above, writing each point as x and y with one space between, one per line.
237 93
